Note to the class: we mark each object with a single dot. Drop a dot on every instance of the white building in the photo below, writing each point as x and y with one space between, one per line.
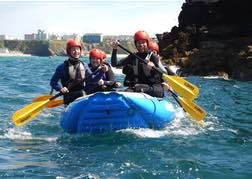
73 36
30 36
41 35
54 37
125 37
3 37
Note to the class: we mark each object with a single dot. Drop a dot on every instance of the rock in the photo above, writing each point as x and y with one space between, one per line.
213 38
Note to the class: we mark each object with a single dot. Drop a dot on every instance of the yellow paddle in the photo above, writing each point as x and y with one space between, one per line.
42 98
52 104
195 111
26 114
180 85
55 103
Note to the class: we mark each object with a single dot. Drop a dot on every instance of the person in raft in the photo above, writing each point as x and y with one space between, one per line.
153 46
104 79
139 76
71 73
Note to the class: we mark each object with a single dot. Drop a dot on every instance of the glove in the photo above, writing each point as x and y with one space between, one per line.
104 68
100 82
117 85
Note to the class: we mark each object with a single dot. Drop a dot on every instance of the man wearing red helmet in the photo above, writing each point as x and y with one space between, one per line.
71 73
139 76
104 80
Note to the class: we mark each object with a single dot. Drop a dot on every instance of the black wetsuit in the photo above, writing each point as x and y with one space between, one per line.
75 85
138 77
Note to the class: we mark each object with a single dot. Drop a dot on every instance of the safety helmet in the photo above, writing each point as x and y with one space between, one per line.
96 53
103 54
141 35
72 43
153 46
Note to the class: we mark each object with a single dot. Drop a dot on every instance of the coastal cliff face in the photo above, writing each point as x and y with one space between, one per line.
213 38
56 47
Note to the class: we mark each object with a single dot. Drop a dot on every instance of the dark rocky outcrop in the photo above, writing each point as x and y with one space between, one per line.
213 38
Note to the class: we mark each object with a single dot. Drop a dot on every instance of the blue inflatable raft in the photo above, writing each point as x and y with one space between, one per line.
105 112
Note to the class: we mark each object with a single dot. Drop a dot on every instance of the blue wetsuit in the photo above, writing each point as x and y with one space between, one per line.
76 86
108 77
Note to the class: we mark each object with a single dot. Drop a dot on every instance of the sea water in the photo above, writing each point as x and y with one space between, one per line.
184 149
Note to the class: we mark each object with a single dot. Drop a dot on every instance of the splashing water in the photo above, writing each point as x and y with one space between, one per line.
183 149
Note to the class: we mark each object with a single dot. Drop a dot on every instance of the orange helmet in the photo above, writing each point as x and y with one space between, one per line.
72 43
96 53
153 46
141 35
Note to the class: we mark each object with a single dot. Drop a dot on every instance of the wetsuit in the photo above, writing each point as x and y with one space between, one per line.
138 77
72 75
108 77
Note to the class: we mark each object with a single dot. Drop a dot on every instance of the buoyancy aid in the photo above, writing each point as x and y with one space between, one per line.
76 73
136 66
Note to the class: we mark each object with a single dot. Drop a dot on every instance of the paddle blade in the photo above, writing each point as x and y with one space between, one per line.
27 113
181 86
55 103
42 98
195 111
52 104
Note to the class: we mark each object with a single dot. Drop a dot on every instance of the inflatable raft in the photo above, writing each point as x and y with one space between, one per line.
105 112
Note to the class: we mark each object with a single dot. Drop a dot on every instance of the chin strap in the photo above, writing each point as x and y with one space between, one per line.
73 60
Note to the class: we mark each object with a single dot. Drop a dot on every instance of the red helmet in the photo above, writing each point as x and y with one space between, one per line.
72 43
153 46
141 35
103 54
96 53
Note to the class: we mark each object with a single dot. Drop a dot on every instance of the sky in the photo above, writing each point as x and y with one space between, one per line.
114 17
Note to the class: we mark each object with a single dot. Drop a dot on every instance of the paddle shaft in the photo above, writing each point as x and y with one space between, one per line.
139 58
175 96
55 96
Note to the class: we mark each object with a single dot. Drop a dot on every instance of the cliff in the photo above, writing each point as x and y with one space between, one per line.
56 47
213 38
38 48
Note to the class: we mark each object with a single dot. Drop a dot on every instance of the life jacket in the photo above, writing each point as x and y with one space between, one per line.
76 74
146 71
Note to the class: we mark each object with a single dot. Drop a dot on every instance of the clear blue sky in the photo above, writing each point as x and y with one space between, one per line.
108 17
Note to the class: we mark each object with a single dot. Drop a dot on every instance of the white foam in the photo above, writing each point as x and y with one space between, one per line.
213 123
217 77
20 134
212 77
169 107
180 126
